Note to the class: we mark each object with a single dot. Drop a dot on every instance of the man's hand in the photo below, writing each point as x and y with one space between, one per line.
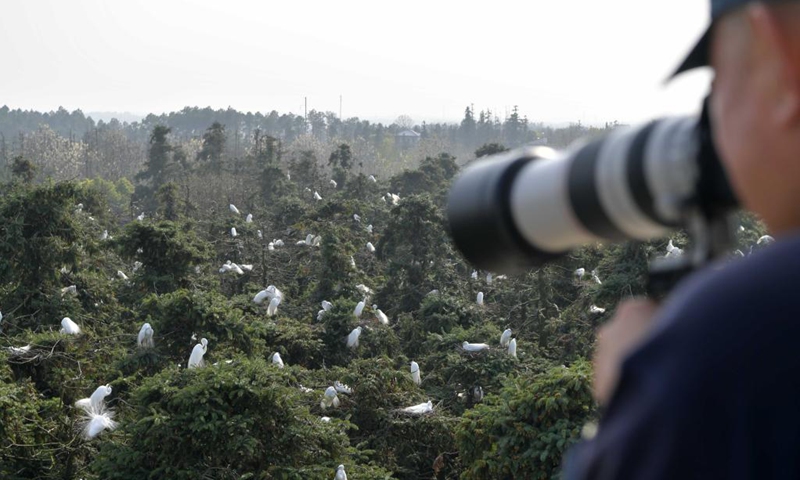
616 339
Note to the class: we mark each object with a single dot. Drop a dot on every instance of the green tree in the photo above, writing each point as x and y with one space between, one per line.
213 146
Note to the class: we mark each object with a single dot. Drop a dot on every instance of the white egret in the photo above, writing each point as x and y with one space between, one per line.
433 292
249 218
342 388
419 409
260 235
394 198
72 290
122 275
301 242
415 375
326 305
595 277
489 278
352 261
365 290
196 359
477 393
233 209
261 296
370 247
96 402
380 315
137 265
596 309
69 327
474 347
765 239
92 424
145 339
105 235
271 247
277 360
352 338
320 314
474 274
140 217
580 273
19 351
1 322
278 242
372 178
512 347
272 309
315 241
233 232
333 183
325 419
247 267
505 337
359 308
329 399
340 474
356 217
673 251
369 228
479 298
317 196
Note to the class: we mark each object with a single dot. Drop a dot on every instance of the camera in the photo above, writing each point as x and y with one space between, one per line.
520 209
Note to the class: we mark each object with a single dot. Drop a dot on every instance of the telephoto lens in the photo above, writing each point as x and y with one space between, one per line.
520 209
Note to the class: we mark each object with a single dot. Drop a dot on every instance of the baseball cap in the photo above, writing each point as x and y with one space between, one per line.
698 56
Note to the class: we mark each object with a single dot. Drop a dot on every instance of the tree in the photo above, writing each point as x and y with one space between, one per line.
213 146
341 161
467 129
490 149
23 170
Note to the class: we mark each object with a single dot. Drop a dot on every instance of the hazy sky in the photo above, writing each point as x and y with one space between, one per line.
559 60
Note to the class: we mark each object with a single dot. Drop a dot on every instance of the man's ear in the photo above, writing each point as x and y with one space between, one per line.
776 37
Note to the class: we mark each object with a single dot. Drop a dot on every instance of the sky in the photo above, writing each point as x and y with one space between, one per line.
559 60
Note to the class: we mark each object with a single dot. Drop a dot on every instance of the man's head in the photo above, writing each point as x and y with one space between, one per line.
755 107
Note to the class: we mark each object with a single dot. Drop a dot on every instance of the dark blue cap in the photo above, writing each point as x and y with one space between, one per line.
698 57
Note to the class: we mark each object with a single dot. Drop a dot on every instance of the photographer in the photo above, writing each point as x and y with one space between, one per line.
707 384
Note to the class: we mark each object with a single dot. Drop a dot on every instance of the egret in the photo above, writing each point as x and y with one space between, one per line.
329 399
433 292
370 247
96 402
122 275
260 297
249 218
260 235
72 290
69 327
315 241
419 409
474 274
137 265
477 393
145 339
278 242
320 314
340 474
356 217
596 309
333 183
352 338
325 419
93 423
140 217
19 351
105 235
479 299
196 359
372 178
326 305
247 267
271 247
317 196
473 347
342 388
233 232
505 337
673 251
394 198
512 347
1 322
365 290
233 209
277 360
766 240
595 277
489 278
272 309
415 376
580 273
369 228
381 316
359 308
352 261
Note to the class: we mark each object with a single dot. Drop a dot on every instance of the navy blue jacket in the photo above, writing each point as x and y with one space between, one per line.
714 393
